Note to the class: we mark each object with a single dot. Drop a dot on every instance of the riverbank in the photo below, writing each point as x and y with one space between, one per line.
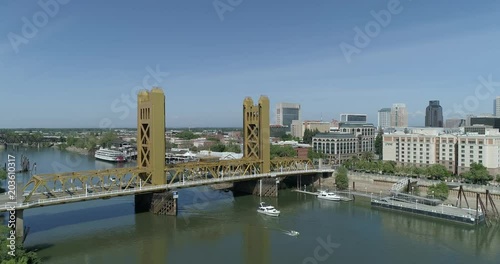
379 186
82 151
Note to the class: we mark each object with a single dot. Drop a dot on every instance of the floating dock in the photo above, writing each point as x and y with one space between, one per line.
446 212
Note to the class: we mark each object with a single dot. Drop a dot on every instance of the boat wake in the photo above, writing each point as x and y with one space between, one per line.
291 232
283 231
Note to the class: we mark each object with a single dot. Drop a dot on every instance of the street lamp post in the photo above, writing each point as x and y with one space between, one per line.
432 194
412 190
366 191
416 201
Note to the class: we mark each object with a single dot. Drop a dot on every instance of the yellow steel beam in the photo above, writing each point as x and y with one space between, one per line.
120 178
291 164
204 170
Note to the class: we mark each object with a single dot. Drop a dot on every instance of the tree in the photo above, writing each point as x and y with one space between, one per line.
367 156
309 134
438 172
352 163
379 144
71 141
388 167
232 148
193 148
219 147
282 151
21 255
107 138
169 145
285 137
311 154
477 174
439 190
186 135
498 178
341 179
3 174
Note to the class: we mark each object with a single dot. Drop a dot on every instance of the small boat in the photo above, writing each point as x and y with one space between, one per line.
292 233
329 196
268 210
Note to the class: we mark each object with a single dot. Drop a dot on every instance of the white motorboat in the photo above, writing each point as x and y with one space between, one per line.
329 196
110 155
292 233
268 210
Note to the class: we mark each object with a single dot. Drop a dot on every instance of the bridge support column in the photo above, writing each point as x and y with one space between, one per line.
20 224
160 203
262 187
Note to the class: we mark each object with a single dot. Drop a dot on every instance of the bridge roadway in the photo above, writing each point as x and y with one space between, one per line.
79 194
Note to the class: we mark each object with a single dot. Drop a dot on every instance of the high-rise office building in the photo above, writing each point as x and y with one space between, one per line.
434 114
496 106
399 115
353 118
286 113
384 118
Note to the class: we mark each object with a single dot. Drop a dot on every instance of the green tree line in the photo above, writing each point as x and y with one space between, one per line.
91 140
478 174
14 254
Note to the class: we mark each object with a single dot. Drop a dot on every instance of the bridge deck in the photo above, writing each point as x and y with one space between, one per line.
80 194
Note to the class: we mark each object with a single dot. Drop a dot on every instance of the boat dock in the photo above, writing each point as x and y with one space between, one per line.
343 198
446 212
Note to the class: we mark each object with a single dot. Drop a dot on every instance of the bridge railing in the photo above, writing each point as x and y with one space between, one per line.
91 194
125 178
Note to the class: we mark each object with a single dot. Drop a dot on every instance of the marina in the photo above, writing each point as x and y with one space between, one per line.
416 205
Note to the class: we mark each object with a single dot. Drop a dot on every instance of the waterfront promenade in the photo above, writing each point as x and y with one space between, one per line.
381 184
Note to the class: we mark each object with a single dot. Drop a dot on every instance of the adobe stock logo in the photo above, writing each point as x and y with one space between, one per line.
127 102
371 30
322 252
221 7
30 28
485 90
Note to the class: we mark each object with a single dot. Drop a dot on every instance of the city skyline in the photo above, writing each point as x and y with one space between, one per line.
68 75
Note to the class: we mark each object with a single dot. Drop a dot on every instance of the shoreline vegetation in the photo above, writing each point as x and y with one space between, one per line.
82 151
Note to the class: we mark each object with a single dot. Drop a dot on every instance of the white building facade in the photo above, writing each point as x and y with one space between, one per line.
455 151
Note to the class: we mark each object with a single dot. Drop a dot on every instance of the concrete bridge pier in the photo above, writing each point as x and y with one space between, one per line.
19 224
263 187
160 203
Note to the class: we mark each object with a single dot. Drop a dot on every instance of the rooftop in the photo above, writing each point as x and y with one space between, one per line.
335 135
354 124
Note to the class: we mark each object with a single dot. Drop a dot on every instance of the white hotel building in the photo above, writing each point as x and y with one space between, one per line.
455 150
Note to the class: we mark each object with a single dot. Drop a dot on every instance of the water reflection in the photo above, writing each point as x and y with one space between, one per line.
478 240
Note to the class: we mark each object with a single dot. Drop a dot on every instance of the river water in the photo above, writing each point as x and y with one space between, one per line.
216 227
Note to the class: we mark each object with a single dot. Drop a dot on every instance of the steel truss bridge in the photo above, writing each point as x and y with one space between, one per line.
152 175
60 188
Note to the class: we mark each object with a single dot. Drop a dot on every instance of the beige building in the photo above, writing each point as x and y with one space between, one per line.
399 115
352 139
455 151
298 127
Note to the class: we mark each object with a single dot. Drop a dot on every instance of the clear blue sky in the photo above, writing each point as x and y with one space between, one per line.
73 72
